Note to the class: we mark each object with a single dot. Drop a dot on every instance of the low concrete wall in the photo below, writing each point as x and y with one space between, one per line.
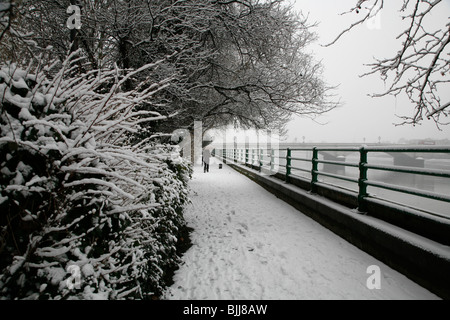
431 227
423 260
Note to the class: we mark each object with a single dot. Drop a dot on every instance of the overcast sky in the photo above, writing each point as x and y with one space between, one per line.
359 117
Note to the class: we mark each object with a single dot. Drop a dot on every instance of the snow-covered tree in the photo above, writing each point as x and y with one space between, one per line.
262 75
240 62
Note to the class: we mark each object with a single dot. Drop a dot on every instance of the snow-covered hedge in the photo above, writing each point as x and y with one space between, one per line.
84 213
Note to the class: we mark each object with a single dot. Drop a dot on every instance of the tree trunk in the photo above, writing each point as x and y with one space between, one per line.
74 33
125 59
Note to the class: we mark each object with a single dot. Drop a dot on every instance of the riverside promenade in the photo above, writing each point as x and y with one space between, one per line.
249 245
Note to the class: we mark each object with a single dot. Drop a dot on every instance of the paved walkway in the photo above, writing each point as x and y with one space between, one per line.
248 244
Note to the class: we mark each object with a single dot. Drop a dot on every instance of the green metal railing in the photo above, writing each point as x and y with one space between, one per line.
268 159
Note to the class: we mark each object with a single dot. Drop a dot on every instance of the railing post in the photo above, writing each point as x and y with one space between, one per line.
253 158
261 156
314 170
288 164
272 155
362 194
246 156
234 155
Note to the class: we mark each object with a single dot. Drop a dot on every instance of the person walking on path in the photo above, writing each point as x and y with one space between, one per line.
206 156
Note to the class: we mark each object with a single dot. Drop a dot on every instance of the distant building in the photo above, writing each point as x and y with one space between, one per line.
427 142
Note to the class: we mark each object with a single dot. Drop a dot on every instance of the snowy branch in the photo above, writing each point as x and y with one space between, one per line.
421 68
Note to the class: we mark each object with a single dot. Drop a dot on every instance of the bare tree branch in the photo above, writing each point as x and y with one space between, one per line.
421 68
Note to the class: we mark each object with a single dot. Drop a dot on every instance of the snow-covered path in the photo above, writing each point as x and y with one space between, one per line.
248 244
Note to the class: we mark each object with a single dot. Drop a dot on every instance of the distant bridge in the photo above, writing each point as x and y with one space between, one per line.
407 158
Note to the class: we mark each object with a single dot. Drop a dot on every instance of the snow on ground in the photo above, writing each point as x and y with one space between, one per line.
248 244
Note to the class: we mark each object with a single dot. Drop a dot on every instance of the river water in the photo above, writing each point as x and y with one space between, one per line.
432 184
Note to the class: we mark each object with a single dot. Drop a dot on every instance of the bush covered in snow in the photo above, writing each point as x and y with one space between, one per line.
84 213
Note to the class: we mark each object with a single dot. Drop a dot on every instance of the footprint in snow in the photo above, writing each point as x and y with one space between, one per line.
243 225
